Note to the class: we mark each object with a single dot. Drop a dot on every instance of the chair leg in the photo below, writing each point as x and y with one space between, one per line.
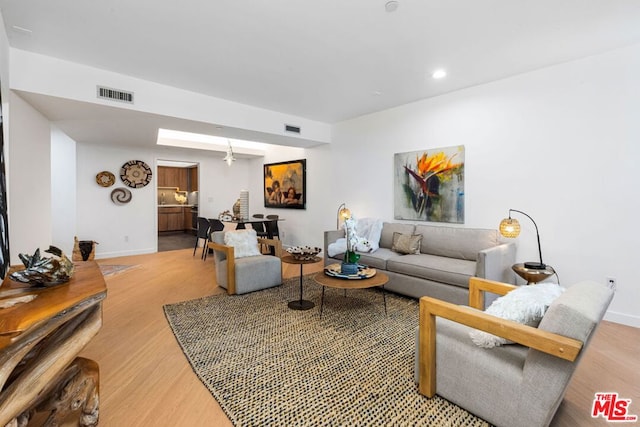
196 246
205 249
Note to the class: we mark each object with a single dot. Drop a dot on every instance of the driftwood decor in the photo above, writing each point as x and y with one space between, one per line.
41 271
41 377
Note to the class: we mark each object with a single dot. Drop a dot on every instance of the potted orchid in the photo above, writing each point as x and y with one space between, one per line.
350 262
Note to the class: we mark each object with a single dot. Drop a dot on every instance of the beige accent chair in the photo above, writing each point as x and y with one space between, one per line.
247 274
513 385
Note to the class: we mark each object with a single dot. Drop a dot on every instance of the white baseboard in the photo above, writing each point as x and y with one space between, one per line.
625 319
117 254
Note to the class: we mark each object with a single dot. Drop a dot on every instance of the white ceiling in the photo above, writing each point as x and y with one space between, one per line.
326 60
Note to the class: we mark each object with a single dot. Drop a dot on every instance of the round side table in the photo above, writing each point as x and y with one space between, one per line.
300 304
532 275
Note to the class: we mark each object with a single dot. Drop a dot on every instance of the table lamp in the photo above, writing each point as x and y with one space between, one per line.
343 213
510 227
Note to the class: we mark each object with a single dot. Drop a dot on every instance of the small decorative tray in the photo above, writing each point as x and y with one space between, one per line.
364 272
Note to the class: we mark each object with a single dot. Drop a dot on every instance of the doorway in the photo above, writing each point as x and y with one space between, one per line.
178 204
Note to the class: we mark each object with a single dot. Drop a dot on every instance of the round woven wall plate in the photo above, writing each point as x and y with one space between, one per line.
135 174
105 179
121 196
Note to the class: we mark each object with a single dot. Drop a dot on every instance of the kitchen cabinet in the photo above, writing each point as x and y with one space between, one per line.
187 219
174 218
173 177
193 179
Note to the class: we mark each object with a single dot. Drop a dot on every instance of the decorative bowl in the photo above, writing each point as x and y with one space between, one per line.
303 253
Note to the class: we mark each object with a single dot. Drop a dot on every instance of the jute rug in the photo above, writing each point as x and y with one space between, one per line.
268 365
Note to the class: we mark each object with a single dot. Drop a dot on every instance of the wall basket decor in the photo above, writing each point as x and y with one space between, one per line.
121 196
105 179
135 174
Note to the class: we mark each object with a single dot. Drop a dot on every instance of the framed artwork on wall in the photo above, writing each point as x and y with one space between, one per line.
285 184
429 185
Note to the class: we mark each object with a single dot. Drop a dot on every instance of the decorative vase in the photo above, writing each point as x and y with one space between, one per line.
236 209
348 268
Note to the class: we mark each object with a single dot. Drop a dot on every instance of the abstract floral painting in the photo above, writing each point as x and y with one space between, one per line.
429 185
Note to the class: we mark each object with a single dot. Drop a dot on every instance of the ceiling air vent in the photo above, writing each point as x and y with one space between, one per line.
115 95
293 129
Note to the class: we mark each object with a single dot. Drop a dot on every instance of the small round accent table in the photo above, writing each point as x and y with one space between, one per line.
380 279
532 275
300 304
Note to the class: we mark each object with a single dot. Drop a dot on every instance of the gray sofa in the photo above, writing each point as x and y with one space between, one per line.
448 257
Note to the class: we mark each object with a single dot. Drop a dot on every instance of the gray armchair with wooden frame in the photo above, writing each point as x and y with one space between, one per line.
520 384
246 274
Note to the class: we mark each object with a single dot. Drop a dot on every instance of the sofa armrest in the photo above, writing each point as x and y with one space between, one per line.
495 263
330 237
229 252
547 342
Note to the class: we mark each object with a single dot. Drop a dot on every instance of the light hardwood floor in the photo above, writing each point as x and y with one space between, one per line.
147 381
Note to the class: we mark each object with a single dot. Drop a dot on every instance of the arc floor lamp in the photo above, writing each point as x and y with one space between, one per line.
510 227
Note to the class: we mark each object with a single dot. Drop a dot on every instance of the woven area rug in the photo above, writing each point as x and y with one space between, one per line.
268 365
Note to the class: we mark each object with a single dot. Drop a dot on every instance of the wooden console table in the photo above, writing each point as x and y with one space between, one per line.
40 376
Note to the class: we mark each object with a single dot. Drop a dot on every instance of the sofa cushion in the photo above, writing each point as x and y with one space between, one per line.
388 228
454 242
451 271
406 243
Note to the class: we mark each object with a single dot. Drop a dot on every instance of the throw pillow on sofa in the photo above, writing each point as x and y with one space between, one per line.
244 242
525 304
406 243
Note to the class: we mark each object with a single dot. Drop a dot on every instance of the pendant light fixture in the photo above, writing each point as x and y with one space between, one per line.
229 158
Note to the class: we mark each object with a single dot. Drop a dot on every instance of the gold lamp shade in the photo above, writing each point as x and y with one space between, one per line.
343 214
510 227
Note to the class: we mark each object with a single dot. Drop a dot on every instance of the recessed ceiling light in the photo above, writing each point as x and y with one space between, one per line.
439 74
391 6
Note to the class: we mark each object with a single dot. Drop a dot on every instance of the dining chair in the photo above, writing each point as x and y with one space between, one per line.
272 226
261 228
202 233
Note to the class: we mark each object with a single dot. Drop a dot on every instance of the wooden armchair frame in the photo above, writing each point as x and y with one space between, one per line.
231 262
547 342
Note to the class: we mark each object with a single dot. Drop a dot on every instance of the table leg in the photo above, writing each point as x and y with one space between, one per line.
384 299
301 304
322 302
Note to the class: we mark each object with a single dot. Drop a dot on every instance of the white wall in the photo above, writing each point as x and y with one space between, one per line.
131 228
29 194
63 190
560 143
42 74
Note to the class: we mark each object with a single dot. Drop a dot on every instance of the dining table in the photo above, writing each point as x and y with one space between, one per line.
242 224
